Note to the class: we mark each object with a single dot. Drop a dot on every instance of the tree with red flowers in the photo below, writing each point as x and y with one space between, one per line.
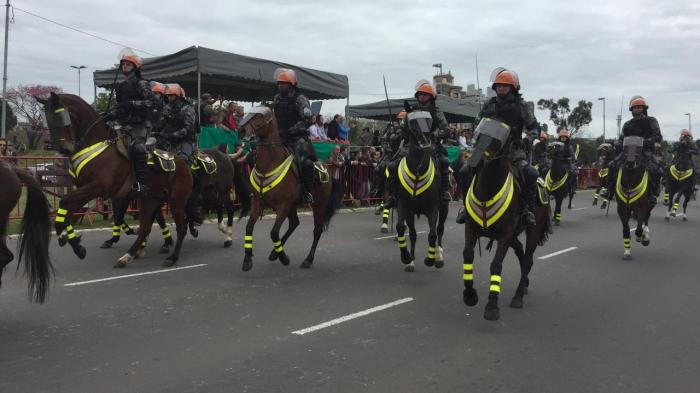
29 111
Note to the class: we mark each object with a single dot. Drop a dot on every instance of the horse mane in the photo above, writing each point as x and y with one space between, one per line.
88 116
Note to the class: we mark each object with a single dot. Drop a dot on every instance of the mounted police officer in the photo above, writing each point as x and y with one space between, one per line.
293 114
158 89
647 127
179 133
426 95
509 107
391 144
135 103
567 157
687 138
539 154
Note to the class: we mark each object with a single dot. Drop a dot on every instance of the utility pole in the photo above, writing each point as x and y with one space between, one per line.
689 123
3 131
603 99
78 68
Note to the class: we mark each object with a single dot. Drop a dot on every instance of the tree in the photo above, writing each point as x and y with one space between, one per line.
29 110
101 102
564 117
10 118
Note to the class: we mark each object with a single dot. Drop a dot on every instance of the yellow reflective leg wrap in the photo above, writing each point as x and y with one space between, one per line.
386 213
248 242
143 243
402 241
278 246
468 271
431 252
626 241
675 206
61 215
115 230
166 232
557 216
495 284
665 196
595 196
69 232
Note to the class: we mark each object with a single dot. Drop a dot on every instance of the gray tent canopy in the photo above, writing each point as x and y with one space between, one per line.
455 110
237 77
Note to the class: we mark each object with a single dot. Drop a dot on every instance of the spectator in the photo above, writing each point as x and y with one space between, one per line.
231 121
239 114
206 110
365 139
316 130
336 162
4 152
334 128
463 139
221 121
376 138
343 130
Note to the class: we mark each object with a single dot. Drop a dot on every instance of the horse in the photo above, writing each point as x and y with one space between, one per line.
633 193
557 181
217 193
275 180
680 180
419 193
35 232
603 172
493 206
100 168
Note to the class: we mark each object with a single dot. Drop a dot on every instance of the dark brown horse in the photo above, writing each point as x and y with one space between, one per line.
35 233
558 179
633 193
101 169
493 206
275 182
605 156
680 181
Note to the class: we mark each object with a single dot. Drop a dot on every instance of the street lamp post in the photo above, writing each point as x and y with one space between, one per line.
689 123
603 99
78 68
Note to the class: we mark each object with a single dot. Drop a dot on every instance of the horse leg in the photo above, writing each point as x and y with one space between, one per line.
165 231
117 222
557 208
70 203
401 239
177 202
669 208
686 198
492 313
292 224
624 218
147 207
228 205
469 296
596 193
517 301
411 223
385 221
318 230
571 196
442 216
675 198
432 239
248 238
275 235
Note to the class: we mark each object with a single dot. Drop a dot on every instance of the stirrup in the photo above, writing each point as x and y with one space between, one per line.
461 215
307 197
528 218
139 188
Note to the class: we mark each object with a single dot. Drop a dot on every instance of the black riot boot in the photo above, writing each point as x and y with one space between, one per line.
139 160
307 181
463 177
445 184
194 203
530 178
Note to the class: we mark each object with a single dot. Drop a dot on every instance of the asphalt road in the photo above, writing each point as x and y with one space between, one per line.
591 323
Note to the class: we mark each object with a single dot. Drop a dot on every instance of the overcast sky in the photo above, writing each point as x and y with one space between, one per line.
582 50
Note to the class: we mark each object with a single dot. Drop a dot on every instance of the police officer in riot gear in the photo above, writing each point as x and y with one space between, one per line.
539 155
567 156
647 127
391 143
135 103
509 107
293 114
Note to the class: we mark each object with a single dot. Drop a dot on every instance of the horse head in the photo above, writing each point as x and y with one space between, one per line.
69 119
260 121
492 137
555 148
420 125
632 151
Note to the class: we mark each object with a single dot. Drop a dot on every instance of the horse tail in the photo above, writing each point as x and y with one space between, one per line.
333 203
240 182
34 239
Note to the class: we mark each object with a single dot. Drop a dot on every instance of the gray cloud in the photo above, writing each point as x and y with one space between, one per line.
582 50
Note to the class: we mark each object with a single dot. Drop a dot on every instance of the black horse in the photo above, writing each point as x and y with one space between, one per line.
558 179
680 180
419 193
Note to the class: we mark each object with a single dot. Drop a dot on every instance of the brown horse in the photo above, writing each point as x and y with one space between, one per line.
35 233
275 182
493 208
101 168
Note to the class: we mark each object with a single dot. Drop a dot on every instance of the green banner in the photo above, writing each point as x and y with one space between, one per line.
213 137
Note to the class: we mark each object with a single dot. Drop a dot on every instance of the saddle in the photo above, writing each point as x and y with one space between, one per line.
203 161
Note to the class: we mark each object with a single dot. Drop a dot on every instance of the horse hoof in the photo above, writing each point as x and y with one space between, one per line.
304 265
284 259
627 257
406 258
169 262
120 264
492 314
429 262
247 265
470 297
556 223
222 228
525 291
384 230
685 218
409 268
667 218
516 302
81 252
194 232
107 244
645 242
439 264
228 243
273 255
62 240
164 250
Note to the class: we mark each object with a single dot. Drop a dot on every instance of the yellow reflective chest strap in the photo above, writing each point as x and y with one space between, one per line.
487 213
263 183
80 159
415 185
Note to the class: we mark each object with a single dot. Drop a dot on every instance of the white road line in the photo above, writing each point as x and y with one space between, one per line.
394 235
352 316
554 254
579 208
74 284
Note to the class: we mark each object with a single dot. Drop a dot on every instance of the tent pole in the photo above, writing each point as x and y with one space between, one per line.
199 95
